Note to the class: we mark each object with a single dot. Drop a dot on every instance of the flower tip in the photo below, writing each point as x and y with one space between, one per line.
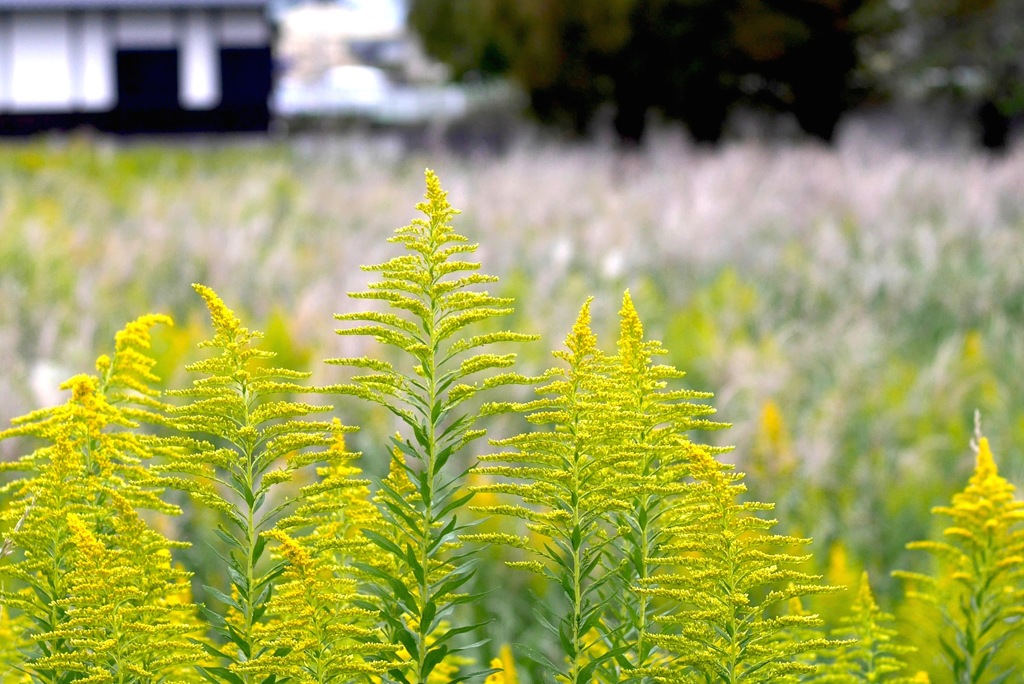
985 461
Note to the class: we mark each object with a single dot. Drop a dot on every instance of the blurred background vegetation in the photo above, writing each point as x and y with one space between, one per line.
851 304
696 61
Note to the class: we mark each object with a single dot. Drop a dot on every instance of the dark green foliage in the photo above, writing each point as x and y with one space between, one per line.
970 52
692 60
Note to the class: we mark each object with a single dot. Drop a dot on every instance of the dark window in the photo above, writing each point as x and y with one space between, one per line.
245 76
147 80
245 86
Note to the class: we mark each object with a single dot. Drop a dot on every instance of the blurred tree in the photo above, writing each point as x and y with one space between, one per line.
798 56
559 52
971 51
690 59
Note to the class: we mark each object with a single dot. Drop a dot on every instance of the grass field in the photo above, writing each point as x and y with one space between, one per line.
851 308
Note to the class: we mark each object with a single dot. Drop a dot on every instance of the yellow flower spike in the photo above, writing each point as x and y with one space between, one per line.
293 552
508 664
111 605
773 455
864 595
771 422
975 587
840 570
581 339
985 465
83 387
496 677
131 367
103 364
631 329
223 318
137 333
83 538
426 302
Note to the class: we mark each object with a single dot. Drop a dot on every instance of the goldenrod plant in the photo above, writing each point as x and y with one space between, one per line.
317 613
871 650
262 438
732 580
565 478
977 585
649 436
94 593
658 566
664 575
433 306
11 629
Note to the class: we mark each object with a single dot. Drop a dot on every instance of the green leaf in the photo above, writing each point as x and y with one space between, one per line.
383 542
208 648
429 612
400 591
398 676
532 655
219 675
223 598
227 538
239 639
258 547
433 657
408 639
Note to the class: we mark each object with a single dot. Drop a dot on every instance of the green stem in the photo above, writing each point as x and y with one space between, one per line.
732 628
644 520
576 604
250 531
576 539
55 617
428 496
644 523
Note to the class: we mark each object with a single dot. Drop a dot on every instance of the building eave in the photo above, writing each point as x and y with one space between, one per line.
64 5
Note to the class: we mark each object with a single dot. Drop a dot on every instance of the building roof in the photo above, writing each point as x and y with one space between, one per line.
37 5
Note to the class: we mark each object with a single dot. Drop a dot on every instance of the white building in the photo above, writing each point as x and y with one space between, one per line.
134 65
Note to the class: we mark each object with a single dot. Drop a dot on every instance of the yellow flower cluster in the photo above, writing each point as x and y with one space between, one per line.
976 587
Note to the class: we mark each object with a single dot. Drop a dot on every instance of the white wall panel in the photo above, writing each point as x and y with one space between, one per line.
97 90
40 45
243 28
5 63
199 63
146 30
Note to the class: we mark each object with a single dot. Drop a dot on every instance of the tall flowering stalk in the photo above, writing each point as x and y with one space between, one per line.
565 477
431 291
262 439
96 596
978 583
870 650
